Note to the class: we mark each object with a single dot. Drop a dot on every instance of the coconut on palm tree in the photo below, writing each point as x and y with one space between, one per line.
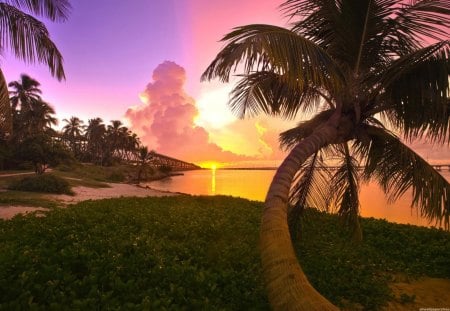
363 68
28 39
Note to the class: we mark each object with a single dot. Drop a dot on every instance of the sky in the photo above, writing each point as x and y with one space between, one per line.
140 62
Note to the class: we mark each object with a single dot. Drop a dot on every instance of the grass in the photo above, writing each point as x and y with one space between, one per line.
183 253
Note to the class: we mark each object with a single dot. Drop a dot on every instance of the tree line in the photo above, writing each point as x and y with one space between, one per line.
34 140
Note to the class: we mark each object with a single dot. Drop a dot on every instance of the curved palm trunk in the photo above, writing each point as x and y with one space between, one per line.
287 286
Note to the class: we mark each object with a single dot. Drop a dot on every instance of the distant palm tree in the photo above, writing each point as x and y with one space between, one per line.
29 40
24 92
144 156
40 119
361 67
73 132
114 136
95 137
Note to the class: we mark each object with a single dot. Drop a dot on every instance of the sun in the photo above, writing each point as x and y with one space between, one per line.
210 165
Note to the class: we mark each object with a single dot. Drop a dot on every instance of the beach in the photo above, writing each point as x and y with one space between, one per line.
82 193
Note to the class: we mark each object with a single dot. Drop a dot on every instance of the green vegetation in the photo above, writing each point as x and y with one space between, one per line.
195 253
47 183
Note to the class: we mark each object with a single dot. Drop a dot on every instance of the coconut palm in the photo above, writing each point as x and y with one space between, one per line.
362 69
73 133
144 156
25 91
29 40
95 137
39 118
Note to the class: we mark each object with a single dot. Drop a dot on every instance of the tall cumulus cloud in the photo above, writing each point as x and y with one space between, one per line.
165 121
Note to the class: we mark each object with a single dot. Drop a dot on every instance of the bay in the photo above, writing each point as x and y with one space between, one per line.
253 184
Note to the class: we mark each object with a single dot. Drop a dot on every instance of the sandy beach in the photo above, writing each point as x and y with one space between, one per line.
85 193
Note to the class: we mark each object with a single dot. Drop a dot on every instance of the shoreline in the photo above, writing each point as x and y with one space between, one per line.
83 193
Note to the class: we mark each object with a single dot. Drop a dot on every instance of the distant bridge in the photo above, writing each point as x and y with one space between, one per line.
159 160
440 167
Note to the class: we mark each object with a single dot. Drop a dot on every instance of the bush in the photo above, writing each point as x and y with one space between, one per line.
42 183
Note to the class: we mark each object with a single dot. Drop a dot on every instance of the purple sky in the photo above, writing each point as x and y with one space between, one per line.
111 47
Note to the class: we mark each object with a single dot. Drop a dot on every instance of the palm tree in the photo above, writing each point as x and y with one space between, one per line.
73 132
114 136
39 118
361 66
24 92
29 40
95 137
144 156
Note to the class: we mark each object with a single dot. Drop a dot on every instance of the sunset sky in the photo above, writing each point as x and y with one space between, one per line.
140 62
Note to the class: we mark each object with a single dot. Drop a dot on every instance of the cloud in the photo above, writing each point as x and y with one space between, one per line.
165 121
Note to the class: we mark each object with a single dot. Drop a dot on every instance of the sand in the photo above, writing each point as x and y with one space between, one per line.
114 191
428 294
8 212
86 193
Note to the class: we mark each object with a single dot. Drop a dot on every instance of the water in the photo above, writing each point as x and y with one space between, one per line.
253 185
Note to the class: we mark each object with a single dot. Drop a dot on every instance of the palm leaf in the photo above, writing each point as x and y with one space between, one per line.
310 188
398 168
345 187
424 18
28 39
416 92
267 92
275 49
55 10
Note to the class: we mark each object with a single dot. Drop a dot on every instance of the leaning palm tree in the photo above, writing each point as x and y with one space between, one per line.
362 69
29 40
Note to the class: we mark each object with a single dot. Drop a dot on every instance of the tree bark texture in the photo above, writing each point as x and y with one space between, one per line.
287 285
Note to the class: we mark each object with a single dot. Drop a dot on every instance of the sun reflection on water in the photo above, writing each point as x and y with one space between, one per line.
213 179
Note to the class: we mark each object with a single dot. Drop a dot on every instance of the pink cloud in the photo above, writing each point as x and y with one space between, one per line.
165 122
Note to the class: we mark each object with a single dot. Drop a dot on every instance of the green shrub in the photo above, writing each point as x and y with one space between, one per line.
47 183
196 253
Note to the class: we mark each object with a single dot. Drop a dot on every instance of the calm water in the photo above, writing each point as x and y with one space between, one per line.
253 184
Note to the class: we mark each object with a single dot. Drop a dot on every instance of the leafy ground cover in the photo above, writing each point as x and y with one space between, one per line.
184 253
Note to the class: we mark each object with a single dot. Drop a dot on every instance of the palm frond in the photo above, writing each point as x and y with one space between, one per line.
310 188
55 10
311 184
425 18
345 187
290 138
5 109
28 39
416 91
267 92
275 49
398 168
